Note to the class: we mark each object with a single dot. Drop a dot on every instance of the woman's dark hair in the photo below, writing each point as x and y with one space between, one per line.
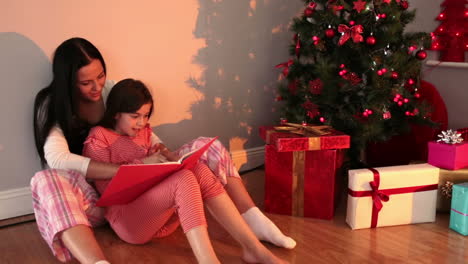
127 96
55 104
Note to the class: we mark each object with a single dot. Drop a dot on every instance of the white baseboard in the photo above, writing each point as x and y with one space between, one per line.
15 202
248 159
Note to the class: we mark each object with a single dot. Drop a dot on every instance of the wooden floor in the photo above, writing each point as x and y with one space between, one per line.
318 241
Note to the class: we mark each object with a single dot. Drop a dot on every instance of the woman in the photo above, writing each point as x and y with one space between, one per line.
64 203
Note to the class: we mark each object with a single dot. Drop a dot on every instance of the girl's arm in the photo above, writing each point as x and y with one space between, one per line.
58 156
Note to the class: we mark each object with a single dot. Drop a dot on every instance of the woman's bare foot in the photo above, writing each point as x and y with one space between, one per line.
261 254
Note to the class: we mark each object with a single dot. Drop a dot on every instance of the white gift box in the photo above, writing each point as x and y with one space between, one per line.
411 192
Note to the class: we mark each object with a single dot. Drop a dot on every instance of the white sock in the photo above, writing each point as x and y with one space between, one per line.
265 229
102 262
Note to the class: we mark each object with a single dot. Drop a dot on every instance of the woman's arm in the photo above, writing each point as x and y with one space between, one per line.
58 156
101 170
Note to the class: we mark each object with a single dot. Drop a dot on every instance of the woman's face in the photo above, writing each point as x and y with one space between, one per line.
90 81
129 124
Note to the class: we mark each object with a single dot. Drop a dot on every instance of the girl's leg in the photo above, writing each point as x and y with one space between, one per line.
148 215
218 159
223 209
225 212
260 224
201 245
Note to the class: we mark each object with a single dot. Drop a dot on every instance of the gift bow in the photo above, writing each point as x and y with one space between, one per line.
377 195
450 137
350 32
317 130
285 66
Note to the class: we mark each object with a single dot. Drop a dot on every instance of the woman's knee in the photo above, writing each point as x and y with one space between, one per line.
44 180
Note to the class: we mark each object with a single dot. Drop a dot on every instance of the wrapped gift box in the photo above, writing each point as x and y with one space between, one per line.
448 156
459 211
453 177
301 171
395 195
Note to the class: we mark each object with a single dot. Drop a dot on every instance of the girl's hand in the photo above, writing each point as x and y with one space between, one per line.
155 158
171 156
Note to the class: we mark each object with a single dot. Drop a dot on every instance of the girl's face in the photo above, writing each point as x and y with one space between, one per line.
129 124
90 81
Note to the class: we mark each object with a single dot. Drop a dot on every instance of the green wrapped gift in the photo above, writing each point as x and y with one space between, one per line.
459 211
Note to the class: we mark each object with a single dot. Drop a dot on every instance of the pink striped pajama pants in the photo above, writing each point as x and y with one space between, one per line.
152 214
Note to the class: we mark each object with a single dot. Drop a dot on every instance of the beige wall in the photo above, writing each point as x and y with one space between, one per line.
209 65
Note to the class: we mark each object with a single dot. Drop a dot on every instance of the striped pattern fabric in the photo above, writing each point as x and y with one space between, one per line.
157 212
145 217
63 198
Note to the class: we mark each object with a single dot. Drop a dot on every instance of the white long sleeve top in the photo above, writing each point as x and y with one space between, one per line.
56 150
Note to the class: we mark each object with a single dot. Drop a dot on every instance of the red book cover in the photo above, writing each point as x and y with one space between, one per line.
131 181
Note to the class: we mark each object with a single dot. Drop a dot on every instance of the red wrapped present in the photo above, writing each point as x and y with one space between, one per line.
301 167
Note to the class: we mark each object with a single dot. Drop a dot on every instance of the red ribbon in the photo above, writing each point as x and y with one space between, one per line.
350 32
285 66
384 195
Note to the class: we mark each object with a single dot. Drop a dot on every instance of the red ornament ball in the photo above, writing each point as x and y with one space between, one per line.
404 5
395 75
370 40
308 12
421 55
330 33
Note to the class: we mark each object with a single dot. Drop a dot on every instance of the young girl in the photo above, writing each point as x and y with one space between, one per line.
126 137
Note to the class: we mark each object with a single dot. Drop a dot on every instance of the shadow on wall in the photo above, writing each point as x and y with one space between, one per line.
24 70
244 41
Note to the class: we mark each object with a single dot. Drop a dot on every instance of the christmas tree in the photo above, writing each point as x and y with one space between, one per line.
451 36
353 67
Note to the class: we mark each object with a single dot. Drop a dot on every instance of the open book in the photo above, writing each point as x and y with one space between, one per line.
131 181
